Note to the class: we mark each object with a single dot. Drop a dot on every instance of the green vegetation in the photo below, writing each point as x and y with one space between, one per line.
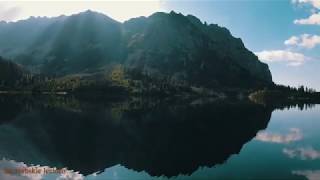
280 95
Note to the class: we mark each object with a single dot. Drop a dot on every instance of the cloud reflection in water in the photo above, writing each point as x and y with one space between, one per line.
309 174
304 153
294 134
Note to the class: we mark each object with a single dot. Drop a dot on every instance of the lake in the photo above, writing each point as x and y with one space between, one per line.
141 138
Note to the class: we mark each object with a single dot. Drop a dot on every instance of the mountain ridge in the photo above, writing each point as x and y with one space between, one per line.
162 44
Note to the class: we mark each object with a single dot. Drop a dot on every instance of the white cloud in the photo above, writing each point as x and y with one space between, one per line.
313 19
302 153
309 174
314 3
293 135
290 58
292 41
305 40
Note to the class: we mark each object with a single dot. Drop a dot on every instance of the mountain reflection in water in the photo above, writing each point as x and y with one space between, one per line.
160 137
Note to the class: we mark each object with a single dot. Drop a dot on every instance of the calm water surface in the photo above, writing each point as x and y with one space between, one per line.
157 139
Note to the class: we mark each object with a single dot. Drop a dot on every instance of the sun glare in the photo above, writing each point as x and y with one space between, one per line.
119 10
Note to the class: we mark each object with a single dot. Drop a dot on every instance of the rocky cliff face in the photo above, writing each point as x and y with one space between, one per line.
185 48
163 44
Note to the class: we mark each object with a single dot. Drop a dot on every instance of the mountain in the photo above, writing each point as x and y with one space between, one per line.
171 45
185 48
62 45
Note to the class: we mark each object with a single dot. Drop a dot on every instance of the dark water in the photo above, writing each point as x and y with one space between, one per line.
157 139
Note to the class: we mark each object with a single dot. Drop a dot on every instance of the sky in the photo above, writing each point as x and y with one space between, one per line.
283 33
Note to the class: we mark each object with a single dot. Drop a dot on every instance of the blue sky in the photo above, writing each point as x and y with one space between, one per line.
283 33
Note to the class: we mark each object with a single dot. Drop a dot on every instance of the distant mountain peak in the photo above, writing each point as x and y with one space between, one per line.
89 12
96 14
